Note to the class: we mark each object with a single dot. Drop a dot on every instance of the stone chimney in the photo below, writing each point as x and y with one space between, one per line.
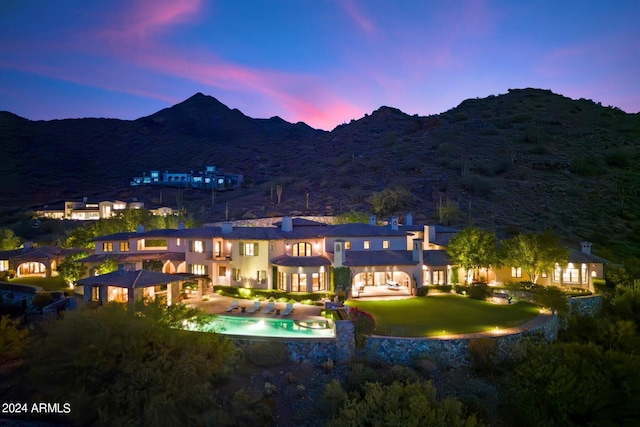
408 219
227 227
586 247
393 222
287 224
140 228
373 220
338 254
418 255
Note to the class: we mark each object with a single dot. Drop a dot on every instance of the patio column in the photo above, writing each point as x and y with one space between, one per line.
131 300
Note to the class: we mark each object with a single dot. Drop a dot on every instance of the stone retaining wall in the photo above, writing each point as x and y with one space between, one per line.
585 306
453 352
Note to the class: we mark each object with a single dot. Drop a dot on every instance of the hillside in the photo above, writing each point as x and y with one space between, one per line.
526 160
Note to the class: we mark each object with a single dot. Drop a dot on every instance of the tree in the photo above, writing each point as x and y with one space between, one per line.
8 240
409 403
118 369
572 384
71 269
534 253
352 217
473 249
390 200
107 266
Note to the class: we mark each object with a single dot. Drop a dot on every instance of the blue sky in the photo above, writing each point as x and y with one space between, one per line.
323 62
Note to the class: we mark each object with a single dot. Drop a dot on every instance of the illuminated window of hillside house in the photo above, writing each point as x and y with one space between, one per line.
282 281
318 281
516 271
198 246
367 244
438 277
124 246
107 247
347 245
4 265
262 277
385 244
218 248
302 249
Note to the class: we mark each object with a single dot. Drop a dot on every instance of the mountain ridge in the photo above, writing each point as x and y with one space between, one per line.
525 160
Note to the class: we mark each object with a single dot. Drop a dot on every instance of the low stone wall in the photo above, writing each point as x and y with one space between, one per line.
339 349
454 352
301 350
585 306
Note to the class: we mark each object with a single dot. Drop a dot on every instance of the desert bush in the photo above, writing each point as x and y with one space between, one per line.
13 339
423 291
42 299
267 353
483 353
364 324
479 290
400 373
476 184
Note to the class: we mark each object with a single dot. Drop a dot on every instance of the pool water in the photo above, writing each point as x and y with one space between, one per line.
280 328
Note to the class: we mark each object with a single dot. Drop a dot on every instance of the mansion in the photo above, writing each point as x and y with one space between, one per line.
299 255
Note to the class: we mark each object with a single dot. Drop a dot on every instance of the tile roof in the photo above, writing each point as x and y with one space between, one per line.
132 279
135 257
581 257
436 257
361 230
304 261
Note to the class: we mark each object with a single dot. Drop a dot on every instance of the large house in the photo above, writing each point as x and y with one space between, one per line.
85 210
298 255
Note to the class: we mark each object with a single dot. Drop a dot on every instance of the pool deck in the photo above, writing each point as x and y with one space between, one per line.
218 304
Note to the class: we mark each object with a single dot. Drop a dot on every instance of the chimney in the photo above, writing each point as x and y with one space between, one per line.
227 227
140 228
85 199
120 268
373 220
393 222
338 254
418 255
408 219
26 246
287 223
429 235
181 225
586 247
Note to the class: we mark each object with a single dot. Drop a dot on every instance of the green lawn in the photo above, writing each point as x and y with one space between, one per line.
47 283
443 315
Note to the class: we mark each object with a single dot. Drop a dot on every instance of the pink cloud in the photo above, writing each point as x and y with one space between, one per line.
353 11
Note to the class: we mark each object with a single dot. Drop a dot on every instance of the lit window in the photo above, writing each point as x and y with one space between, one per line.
218 248
107 247
199 269
248 249
367 244
298 282
347 245
262 277
198 246
124 246
4 264
385 244
516 271
302 249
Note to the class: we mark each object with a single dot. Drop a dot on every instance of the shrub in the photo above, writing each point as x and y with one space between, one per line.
267 353
445 289
479 291
483 352
423 291
42 299
364 324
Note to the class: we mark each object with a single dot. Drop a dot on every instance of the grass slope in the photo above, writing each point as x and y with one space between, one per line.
443 315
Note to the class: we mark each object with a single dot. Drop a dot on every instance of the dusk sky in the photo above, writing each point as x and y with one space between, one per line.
323 62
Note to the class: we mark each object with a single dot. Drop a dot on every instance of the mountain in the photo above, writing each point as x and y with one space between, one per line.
529 159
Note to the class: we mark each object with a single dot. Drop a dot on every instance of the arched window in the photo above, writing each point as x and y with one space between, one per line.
302 249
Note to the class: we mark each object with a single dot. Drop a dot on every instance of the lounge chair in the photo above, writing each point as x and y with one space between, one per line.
288 309
233 306
269 308
256 307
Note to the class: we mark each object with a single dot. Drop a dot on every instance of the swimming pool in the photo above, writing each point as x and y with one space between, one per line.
261 327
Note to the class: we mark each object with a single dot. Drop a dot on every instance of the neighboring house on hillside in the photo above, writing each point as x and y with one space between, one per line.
86 210
34 261
298 255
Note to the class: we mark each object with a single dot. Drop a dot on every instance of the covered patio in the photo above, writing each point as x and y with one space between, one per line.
130 286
